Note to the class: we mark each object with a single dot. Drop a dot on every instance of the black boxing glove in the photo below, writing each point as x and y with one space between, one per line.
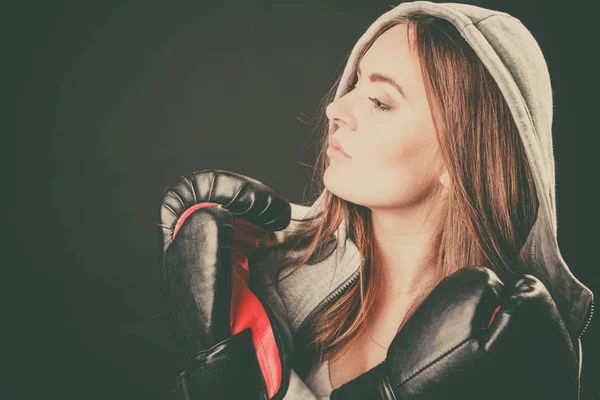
475 338
233 347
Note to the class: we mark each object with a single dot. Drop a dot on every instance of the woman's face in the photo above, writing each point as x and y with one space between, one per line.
389 135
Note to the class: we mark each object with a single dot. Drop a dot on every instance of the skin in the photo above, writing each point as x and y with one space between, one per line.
396 171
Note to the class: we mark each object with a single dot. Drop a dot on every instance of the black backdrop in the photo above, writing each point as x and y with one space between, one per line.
110 101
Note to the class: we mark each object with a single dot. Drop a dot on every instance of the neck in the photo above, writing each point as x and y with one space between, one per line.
404 238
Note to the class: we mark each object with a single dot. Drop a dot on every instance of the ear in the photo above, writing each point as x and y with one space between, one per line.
445 178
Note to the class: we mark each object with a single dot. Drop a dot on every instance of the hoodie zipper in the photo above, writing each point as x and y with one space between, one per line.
589 319
332 296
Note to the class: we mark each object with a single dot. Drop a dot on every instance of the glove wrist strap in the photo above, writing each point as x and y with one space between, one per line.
228 370
372 385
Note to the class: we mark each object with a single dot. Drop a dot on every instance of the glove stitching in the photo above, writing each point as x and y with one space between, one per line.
170 209
212 186
437 360
192 188
262 348
180 200
165 227
234 199
269 201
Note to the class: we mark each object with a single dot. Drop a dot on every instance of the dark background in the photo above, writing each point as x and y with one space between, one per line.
111 101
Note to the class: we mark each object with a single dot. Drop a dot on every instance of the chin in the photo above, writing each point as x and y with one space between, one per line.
371 194
334 181
344 189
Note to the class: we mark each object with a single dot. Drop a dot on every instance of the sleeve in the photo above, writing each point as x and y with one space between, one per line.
265 265
298 390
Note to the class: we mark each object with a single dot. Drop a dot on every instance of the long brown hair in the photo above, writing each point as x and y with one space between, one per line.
491 203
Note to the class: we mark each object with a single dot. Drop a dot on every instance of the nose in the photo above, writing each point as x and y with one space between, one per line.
340 113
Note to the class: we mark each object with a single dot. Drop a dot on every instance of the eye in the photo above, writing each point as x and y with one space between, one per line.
379 105
376 103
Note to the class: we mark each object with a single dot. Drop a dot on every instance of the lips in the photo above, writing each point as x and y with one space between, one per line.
336 145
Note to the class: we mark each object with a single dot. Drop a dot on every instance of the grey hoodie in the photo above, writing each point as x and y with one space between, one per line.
514 59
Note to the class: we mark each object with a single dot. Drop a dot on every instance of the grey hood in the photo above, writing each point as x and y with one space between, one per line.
515 60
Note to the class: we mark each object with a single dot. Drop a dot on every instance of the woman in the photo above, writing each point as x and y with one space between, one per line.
438 155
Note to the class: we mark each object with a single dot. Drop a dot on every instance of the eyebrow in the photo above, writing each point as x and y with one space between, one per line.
377 77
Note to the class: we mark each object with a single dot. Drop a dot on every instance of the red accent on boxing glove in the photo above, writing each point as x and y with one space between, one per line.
246 310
